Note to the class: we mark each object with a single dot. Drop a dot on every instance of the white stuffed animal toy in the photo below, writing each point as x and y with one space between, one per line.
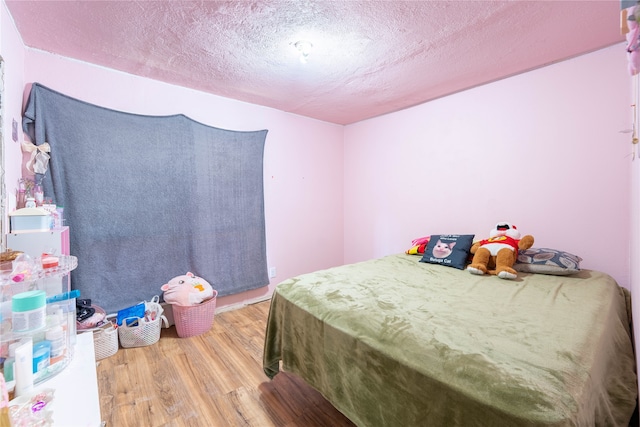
187 290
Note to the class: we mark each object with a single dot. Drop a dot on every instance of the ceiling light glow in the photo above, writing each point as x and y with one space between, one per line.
304 47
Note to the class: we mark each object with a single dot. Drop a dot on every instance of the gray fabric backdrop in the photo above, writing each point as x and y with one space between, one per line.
148 198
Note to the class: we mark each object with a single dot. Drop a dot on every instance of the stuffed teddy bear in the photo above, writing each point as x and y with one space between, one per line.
186 290
497 254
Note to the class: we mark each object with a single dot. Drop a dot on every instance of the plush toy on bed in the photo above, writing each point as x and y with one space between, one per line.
186 290
418 246
497 254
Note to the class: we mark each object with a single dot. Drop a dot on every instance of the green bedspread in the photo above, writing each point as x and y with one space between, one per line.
396 342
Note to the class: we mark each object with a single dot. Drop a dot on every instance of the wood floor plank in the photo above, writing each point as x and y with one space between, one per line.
214 379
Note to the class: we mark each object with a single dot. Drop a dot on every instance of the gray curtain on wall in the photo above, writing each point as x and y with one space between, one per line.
150 198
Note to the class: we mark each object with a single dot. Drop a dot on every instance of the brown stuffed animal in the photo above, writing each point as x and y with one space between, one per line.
497 254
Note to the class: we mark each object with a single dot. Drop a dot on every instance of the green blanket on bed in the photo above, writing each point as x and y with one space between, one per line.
396 342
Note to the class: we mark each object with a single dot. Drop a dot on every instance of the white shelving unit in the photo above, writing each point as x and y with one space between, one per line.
74 381
35 242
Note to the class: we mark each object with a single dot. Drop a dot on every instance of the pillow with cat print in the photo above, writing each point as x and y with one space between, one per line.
547 261
450 250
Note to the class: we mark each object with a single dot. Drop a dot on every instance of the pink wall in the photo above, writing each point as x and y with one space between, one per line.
542 150
564 169
12 51
303 157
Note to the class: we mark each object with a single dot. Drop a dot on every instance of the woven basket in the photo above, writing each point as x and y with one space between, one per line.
194 319
105 341
139 332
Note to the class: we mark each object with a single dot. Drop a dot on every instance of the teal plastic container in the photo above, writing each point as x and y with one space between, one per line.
28 311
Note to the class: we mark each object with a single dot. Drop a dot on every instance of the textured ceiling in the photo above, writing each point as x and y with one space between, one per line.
369 57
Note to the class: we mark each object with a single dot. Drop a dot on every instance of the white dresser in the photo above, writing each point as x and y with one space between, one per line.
76 402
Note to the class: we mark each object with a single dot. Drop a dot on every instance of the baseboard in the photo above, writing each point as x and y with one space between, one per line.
242 304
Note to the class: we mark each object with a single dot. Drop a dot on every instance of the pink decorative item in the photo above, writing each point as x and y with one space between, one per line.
420 241
23 267
49 261
187 290
633 41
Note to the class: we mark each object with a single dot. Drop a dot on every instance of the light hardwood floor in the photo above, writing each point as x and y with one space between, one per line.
211 380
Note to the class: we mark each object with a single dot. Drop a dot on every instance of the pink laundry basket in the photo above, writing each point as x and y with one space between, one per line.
194 319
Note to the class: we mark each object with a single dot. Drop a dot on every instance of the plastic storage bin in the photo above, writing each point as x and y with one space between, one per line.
105 341
140 332
29 219
194 319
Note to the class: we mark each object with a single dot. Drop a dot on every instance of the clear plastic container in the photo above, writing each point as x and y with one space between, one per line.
57 333
59 217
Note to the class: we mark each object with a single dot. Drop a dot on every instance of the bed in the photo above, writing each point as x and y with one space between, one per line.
397 342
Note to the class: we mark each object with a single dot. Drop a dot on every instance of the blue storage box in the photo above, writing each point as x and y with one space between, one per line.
30 219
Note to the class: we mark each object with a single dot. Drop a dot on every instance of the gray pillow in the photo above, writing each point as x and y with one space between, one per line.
547 261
